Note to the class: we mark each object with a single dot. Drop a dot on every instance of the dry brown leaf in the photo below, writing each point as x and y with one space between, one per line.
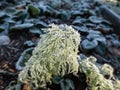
21 7
11 70
26 87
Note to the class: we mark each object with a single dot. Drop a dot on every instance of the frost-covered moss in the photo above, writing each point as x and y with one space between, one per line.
117 84
55 54
107 70
95 75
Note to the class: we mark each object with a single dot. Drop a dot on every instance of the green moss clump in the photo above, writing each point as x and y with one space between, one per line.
96 75
55 54
107 70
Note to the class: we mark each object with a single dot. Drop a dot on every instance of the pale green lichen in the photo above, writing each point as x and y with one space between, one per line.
95 75
107 70
55 54
117 84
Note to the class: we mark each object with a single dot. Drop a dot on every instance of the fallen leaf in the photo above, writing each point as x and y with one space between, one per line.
26 87
11 70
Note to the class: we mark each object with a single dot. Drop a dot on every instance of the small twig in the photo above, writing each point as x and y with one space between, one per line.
6 72
101 59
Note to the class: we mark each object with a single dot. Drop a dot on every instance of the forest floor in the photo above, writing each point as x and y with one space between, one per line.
22 26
